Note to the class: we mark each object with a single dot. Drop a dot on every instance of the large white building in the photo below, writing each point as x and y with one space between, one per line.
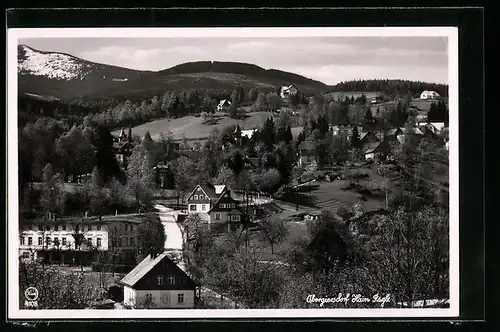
68 239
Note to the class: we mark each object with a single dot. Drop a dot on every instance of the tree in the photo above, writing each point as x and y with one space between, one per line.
105 155
225 176
55 289
268 133
260 103
140 177
150 235
52 189
96 177
273 230
411 253
253 94
355 137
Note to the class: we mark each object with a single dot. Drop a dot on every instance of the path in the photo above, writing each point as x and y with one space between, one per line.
174 241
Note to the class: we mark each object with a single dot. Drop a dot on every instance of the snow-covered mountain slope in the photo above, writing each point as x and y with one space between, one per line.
52 65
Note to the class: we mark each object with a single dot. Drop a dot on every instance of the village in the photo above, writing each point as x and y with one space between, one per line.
256 190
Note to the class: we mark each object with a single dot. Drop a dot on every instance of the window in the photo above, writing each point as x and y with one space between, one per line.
217 216
63 241
232 205
131 241
98 227
49 241
56 227
182 281
22 240
180 298
26 255
89 242
159 280
63 227
99 240
192 207
56 241
131 227
126 227
195 197
235 218
30 241
171 280
40 241
124 242
204 207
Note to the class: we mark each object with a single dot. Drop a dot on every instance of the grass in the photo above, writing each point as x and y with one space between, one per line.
191 127
355 94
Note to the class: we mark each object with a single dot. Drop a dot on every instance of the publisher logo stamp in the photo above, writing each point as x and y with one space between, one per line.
31 295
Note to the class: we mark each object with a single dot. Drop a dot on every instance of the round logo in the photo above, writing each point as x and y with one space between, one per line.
31 294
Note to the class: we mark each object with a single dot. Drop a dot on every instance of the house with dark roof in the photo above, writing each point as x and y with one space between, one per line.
215 205
123 146
157 282
307 152
371 150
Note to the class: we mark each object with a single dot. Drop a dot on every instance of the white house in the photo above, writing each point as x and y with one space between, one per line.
429 95
223 105
288 90
248 133
157 282
66 239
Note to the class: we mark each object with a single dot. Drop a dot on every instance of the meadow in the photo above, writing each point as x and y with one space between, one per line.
192 128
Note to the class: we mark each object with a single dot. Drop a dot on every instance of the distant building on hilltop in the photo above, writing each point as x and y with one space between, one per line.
429 95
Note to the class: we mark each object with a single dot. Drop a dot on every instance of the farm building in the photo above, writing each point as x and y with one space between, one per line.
157 282
429 95
223 105
307 152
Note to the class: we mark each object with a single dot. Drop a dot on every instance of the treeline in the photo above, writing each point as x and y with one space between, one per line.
391 87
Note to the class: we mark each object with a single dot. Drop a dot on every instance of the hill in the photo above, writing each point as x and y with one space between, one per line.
63 76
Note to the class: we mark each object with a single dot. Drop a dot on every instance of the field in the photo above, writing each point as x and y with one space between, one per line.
191 127
424 104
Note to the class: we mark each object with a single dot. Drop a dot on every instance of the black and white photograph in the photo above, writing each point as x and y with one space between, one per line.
270 172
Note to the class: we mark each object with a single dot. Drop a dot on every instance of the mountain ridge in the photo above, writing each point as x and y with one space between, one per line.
62 75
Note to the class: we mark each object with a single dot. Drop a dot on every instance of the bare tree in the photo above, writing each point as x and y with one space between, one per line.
274 230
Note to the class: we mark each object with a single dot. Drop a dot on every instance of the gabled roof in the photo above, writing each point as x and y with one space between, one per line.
371 147
119 145
393 131
143 268
224 101
208 189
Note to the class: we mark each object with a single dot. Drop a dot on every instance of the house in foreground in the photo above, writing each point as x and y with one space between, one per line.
215 205
157 282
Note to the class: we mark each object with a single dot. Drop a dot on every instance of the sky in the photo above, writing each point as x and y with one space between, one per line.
326 59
